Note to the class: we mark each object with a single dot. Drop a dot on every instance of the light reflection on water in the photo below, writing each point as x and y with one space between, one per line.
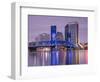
57 57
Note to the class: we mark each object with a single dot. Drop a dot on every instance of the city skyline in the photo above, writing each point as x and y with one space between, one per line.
57 40
35 29
55 53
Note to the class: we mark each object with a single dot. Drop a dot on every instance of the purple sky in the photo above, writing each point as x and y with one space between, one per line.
41 24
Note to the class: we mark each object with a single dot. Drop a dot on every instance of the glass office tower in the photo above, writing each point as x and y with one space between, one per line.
71 33
53 35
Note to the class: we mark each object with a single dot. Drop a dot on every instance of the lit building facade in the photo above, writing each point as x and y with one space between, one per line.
71 33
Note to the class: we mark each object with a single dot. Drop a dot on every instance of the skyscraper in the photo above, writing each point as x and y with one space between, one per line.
71 33
53 35
59 36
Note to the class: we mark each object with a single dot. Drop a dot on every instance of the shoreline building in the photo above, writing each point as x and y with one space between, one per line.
71 33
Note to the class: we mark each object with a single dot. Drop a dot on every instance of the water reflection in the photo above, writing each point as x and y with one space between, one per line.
57 56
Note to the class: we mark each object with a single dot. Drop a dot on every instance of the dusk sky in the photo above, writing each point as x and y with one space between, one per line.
42 24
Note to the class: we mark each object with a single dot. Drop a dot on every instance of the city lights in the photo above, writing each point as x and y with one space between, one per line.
59 48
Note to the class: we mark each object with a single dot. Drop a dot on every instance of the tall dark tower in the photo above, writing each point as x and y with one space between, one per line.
71 32
53 34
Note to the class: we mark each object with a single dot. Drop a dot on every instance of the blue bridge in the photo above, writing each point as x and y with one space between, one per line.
52 43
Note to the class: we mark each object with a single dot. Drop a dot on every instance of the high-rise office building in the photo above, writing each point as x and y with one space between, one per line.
53 34
71 33
59 36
